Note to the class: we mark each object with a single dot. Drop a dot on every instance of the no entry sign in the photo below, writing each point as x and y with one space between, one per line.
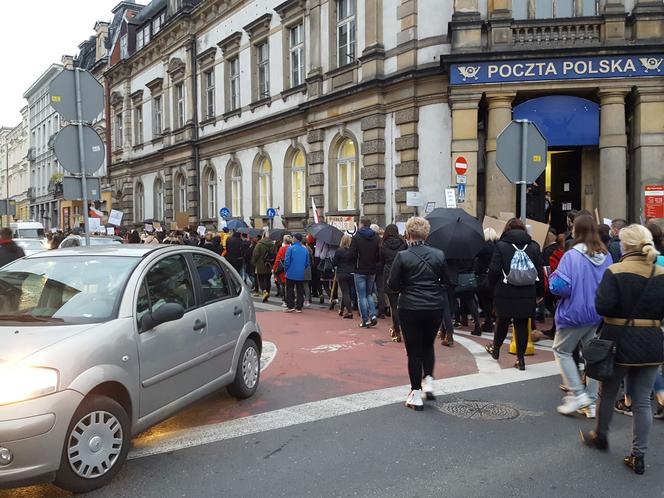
461 165
654 205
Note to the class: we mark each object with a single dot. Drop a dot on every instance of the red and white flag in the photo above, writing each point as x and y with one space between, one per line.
314 210
95 213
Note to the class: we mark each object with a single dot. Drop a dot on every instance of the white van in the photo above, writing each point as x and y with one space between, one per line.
27 230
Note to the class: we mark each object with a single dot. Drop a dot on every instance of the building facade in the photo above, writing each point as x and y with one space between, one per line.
15 168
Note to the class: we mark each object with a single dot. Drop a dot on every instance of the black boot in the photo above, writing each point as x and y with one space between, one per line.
520 363
594 440
636 463
477 330
494 352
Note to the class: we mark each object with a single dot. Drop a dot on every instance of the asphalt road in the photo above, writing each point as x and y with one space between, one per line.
392 451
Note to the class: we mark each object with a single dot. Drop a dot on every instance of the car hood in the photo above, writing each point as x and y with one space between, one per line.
19 341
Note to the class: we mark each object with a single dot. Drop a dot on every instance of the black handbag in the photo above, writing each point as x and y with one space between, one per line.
466 283
600 354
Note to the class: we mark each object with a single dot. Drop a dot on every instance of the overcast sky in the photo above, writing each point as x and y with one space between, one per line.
35 34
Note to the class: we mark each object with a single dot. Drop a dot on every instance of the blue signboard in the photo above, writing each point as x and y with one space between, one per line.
225 213
271 212
461 193
565 68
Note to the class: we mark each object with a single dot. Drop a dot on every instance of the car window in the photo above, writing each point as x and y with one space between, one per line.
214 283
72 242
169 281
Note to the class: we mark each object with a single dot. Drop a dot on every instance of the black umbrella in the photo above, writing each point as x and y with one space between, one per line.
235 224
326 233
456 233
278 234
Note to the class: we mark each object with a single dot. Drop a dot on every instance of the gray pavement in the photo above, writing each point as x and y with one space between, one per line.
392 451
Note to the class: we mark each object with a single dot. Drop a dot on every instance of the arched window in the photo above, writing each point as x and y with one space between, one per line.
235 182
159 199
210 193
180 193
298 182
139 203
264 186
347 176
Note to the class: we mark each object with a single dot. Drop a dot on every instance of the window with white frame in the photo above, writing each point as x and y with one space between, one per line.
346 176
548 9
264 186
345 32
158 22
236 190
234 80
157 124
210 183
159 199
142 37
181 193
138 125
298 183
179 105
140 203
263 70
208 78
296 50
124 47
118 130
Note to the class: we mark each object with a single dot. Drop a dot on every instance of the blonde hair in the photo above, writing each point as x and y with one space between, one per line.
345 241
490 234
288 239
418 228
637 238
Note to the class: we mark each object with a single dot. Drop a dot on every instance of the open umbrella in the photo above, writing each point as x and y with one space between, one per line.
326 233
235 224
456 233
278 234
255 232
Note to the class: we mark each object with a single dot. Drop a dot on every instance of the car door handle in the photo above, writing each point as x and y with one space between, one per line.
237 311
199 325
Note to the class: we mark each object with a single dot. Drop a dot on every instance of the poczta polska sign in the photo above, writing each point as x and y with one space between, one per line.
567 68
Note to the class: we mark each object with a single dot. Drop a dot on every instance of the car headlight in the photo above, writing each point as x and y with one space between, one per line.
20 383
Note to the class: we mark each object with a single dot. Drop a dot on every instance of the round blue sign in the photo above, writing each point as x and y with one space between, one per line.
271 212
225 213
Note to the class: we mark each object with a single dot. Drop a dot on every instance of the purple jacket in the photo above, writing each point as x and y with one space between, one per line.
582 273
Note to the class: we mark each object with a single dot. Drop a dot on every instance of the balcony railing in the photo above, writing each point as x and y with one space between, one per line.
556 32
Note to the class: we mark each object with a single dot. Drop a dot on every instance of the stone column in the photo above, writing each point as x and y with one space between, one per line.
614 21
407 37
648 143
407 171
314 78
612 154
315 165
189 82
464 143
373 167
648 20
373 56
500 193
166 100
500 27
466 25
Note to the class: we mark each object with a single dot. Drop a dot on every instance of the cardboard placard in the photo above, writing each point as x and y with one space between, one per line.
182 220
538 231
506 216
174 226
496 224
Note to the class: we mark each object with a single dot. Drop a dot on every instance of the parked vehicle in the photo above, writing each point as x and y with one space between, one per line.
99 344
74 240
27 230
32 246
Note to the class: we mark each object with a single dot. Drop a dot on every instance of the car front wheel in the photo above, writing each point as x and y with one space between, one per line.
247 372
96 445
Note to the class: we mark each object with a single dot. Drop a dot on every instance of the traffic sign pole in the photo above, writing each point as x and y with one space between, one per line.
524 166
81 152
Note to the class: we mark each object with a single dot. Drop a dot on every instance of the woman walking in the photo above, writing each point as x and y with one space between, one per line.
575 282
514 299
344 264
482 262
279 270
419 275
392 244
631 300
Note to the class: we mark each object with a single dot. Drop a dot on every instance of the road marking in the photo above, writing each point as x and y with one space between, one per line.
268 354
333 348
485 364
320 410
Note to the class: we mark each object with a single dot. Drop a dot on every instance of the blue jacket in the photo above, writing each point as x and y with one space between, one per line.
295 261
576 281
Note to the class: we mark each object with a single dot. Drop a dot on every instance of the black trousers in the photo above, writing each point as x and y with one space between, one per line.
394 311
292 301
345 282
419 329
520 329
485 297
264 281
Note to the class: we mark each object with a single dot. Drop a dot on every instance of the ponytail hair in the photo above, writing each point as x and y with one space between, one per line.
637 238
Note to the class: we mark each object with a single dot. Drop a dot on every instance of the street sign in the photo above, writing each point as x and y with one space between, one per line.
414 199
509 145
461 165
271 213
450 198
72 188
462 179
66 150
63 96
654 202
461 191
225 213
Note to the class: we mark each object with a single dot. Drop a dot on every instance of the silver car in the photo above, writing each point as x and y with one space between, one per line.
98 344
32 246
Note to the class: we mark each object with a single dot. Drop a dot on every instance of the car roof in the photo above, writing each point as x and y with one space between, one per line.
118 250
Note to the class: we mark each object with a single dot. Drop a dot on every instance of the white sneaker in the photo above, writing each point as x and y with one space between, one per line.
573 403
589 411
284 305
414 400
427 387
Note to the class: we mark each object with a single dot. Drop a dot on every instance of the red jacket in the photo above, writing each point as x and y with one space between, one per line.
280 256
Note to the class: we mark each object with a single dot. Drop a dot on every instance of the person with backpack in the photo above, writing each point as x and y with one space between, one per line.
262 258
630 298
517 279
575 282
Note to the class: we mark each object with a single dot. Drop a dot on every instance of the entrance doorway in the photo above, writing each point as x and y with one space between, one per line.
563 180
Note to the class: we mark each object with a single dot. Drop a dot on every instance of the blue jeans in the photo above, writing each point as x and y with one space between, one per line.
659 384
364 284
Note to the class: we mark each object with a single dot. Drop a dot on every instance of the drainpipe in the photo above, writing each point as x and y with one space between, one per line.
107 131
194 89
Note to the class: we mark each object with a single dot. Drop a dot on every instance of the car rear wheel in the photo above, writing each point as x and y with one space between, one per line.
96 445
248 371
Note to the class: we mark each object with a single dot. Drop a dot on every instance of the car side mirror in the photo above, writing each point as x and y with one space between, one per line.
168 312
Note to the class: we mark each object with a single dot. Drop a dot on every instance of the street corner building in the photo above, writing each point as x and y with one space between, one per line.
248 106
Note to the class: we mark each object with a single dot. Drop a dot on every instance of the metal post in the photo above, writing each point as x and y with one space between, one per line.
524 166
81 153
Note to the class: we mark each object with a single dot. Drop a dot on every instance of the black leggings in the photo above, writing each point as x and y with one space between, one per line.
264 282
394 311
419 329
520 329
344 282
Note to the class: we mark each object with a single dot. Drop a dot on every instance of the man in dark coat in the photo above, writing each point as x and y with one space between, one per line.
234 251
9 251
366 249
614 243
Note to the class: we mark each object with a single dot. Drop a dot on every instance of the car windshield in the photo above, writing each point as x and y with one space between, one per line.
71 289
31 233
31 245
104 241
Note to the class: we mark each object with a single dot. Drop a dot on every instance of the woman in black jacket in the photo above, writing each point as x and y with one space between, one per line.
419 274
344 264
484 292
630 298
392 244
514 303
